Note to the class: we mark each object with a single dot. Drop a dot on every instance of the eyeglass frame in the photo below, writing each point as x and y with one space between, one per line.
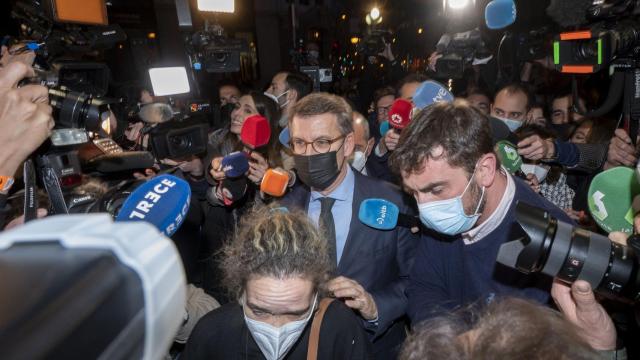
307 143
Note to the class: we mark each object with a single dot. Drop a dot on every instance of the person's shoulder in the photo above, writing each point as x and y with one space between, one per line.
223 319
525 194
340 319
375 187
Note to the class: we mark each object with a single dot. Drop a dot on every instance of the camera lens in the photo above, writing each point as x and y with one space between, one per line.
568 253
180 143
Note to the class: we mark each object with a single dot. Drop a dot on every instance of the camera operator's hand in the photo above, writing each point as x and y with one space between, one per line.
536 148
13 55
216 169
579 305
532 181
193 167
25 117
433 59
257 167
621 151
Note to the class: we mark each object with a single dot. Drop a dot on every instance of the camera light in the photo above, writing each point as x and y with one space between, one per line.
375 13
169 80
224 6
457 4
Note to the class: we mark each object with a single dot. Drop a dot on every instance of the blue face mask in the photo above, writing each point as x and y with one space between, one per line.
447 216
513 125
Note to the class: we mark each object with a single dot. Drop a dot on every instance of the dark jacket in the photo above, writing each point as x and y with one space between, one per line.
379 260
223 334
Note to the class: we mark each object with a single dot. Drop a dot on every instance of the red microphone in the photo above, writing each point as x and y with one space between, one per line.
255 132
400 114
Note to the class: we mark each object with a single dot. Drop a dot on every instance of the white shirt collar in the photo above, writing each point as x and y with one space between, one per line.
479 232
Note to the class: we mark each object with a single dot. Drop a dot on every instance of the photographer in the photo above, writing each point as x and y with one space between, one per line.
25 117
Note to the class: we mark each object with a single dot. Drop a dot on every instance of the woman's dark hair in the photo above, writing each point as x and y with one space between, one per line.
602 130
270 110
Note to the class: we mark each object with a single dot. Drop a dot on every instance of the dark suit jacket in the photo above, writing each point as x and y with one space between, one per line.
379 260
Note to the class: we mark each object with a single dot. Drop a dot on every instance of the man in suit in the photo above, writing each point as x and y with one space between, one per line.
372 265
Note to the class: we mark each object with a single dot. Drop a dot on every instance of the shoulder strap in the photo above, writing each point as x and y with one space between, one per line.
314 337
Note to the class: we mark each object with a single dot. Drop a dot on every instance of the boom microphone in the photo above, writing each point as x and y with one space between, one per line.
499 14
400 114
162 201
382 214
568 13
156 113
431 92
255 132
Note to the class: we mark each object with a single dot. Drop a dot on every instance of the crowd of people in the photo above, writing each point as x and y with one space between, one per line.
299 275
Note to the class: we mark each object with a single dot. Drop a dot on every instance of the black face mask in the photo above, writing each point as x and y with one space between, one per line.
317 171
563 131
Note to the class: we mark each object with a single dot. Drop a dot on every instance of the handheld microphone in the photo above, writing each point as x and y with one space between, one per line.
284 137
275 182
382 214
384 127
499 14
431 92
509 158
255 132
611 198
400 114
235 164
233 190
162 201
156 113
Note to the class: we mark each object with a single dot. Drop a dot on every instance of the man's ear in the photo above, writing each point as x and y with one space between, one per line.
486 170
292 96
371 144
349 145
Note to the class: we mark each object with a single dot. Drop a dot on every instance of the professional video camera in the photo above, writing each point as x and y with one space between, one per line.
608 38
77 88
561 250
213 51
374 42
459 51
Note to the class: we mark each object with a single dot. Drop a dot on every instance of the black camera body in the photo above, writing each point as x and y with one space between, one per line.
458 51
179 139
374 43
214 52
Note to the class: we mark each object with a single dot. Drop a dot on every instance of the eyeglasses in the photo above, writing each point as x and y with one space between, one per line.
321 146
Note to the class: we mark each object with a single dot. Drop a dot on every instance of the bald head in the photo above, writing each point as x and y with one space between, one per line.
362 135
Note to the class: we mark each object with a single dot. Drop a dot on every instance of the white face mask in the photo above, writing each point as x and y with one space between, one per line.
281 95
513 125
275 342
359 160
540 171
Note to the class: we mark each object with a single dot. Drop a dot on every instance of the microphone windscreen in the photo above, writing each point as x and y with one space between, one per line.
400 114
611 199
508 155
156 113
498 14
431 92
255 132
379 214
284 137
233 189
569 12
162 201
384 127
235 164
274 182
